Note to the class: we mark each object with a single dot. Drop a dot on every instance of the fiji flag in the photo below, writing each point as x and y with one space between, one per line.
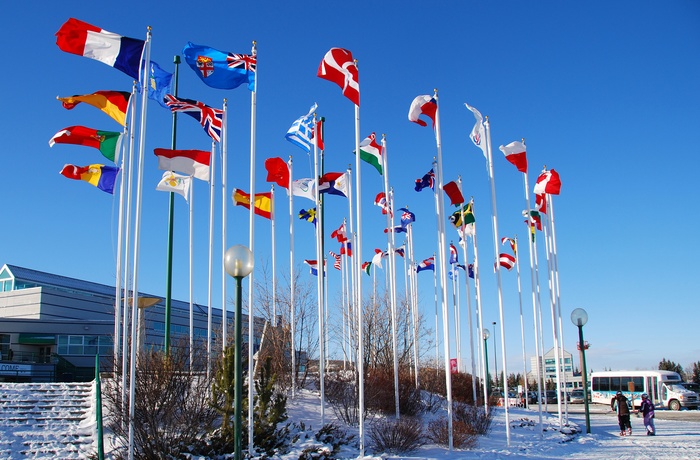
219 69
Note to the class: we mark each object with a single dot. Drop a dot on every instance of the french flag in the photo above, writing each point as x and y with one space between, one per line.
423 105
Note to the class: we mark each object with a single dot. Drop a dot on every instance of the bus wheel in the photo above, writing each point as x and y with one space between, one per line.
674 405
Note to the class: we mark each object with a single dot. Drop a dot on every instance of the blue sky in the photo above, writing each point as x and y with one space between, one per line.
606 93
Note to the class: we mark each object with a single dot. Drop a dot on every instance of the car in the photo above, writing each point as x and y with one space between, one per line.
576 397
550 397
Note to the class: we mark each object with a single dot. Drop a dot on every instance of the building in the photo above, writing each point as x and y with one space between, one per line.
52 326
570 379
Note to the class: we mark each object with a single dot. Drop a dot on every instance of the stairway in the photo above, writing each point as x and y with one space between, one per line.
47 420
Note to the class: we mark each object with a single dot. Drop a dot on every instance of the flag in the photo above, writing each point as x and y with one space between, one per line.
506 260
407 217
177 183
304 188
277 171
381 201
113 103
541 203
107 142
548 182
453 193
427 264
83 39
456 217
510 241
301 133
371 152
313 266
211 119
101 176
340 234
428 180
377 259
515 153
339 67
334 183
308 215
535 220
470 268
263 202
478 134
318 134
336 263
454 255
366 266
346 248
189 162
160 83
220 69
453 275
422 105
400 251
396 229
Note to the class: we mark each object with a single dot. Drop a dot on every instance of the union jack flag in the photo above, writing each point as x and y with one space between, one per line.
336 264
212 120
242 61
428 180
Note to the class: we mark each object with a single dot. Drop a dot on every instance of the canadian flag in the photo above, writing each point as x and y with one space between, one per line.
548 182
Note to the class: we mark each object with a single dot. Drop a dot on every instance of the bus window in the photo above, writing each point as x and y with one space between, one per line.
603 384
615 384
655 388
638 384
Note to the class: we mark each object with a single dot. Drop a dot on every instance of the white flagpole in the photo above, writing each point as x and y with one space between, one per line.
292 320
555 267
274 258
437 322
413 291
494 219
137 239
456 306
251 236
391 270
319 287
522 319
354 271
343 292
212 190
191 225
479 312
120 256
224 202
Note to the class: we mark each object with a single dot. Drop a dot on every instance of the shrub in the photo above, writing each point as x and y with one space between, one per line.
463 436
397 436
332 439
475 417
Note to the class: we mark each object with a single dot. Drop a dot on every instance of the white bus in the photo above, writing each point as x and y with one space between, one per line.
665 388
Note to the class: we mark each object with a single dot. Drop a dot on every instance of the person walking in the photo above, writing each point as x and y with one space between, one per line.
647 409
620 404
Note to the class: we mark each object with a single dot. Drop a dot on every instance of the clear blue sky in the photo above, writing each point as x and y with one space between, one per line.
606 93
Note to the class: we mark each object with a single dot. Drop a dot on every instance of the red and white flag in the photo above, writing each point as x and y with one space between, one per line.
339 67
506 260
189 162
541 203
548 182
382 202
336 262
422 105
515 153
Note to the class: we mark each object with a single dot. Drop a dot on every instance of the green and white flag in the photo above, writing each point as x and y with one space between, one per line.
371 152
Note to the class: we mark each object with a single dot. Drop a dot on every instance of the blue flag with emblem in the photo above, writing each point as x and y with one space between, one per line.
220 69
160 83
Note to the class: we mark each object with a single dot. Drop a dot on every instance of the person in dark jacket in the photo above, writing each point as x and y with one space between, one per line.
621 404
647 409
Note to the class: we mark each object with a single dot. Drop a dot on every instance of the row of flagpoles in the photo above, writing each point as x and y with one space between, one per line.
227 71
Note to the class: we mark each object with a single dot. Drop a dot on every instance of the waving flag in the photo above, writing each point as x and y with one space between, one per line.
383 203
177 183
83 39
506 260
334 183
454 255
160 83
371 152
422 105
220 69
453 193
346 248
428 180
516 154
313 266
308 215
339 67
113 103
318 133
304 188
427 264
277 171
336 263
470 270
301 133
396 229
400 251
535 220
211 119
478 134
189 162
548 182
263 202
107 142
340 234
510 241
541 202
377 259
464 213
101 176
366 266
407 217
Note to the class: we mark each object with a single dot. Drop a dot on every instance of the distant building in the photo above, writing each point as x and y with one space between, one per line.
569 379
53 326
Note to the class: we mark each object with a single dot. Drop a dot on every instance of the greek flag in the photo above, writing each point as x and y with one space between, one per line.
301 132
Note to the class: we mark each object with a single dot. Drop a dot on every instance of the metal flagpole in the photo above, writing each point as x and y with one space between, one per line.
120 256
274 258
413 283
321 273
251 236
191 242
292 320
212 189
224 202
437 322
555 267
479 310
522 320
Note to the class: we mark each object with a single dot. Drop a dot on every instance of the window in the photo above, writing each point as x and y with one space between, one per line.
85 345
601 384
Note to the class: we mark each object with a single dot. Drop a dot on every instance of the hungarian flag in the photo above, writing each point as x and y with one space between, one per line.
453 193
101 176
263 202
277 171
339 67
422 105
83 39
107 142
506 261
548 182
366 266
113 103
371 152
515 153
189 162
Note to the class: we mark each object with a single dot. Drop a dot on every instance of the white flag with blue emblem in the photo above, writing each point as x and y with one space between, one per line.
301 132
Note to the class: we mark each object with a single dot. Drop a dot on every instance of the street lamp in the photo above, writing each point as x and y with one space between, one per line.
486 334
238 262
495 353
579 317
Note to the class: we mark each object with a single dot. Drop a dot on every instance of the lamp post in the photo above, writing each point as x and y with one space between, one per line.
238 262
495 353
486 334
579 317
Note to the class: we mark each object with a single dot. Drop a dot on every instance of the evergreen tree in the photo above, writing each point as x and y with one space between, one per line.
666 365
695 372
270 410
